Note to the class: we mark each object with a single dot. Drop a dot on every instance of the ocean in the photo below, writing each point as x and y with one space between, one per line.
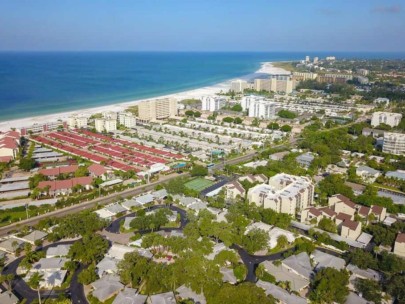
37 83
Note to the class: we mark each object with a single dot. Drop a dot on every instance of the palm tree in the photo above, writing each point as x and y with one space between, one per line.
35 281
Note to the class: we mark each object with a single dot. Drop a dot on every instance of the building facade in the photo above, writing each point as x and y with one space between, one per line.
127 119
212 103
157 109
391 119
394 143
285 193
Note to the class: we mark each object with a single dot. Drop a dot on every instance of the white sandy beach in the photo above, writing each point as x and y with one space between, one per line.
266 68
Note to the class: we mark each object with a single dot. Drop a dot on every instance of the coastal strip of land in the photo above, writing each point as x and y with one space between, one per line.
266 68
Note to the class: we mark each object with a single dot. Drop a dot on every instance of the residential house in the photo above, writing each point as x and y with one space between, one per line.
51 271
258 178
325 260
162 298
399 246
300 264
11 245
106 287
280 294
58 251
53 173
64 187
97 170
306 159
233 190
328 213
129 296
185 293
350 229
33 237
342 204
228 276
367 174
311 215
284 274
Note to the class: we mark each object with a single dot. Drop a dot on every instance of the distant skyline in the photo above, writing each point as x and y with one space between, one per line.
203 25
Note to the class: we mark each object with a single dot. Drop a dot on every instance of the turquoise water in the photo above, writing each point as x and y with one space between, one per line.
43 83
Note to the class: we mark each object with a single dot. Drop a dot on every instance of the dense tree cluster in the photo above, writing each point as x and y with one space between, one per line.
90 249
330 286
152 221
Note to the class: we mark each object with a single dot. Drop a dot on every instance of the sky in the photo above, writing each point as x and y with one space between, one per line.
202 25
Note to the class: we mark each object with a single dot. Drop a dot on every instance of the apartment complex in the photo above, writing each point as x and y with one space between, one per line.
394 143
262 85
262 108
302 76
334 78
127 119
75 121
388 118
107 125
212 103
281 84
284 193
238 86
157 109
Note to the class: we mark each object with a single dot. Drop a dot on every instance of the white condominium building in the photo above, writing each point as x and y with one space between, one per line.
394 143
263 109
110 115
157 109
247 100
285 193
127 119
391 119
107 125
75 121
212 103
238 86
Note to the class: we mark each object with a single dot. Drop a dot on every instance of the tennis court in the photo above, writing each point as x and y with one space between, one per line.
198 184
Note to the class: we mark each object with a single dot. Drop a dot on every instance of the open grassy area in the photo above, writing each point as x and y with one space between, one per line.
198 184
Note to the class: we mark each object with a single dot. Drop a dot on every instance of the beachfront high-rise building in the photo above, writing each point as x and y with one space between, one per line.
212 103
281 84
263 109
388 118
307 59
394 143
302 76
110 115
157 109
75 121
285 193
262 85
316 59
127 119
330 58
238 86
107 125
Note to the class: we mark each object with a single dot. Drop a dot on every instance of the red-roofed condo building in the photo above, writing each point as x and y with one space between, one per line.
63 187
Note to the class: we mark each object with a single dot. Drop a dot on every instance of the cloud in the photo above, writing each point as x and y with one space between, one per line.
392 9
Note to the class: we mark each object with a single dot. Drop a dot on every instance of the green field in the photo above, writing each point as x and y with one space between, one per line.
198 184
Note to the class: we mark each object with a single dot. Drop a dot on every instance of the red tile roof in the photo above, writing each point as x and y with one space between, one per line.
346 200
65 184
58 170
343 217
328 211
97 169
400 238
314 211
8 142
352 225
377 209
364 211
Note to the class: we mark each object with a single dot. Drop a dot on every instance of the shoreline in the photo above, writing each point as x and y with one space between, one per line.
266 68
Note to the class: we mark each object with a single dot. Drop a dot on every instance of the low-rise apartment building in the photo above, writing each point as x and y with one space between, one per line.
394 143
388 118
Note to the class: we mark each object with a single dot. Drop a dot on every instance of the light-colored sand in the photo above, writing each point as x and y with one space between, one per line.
266 68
